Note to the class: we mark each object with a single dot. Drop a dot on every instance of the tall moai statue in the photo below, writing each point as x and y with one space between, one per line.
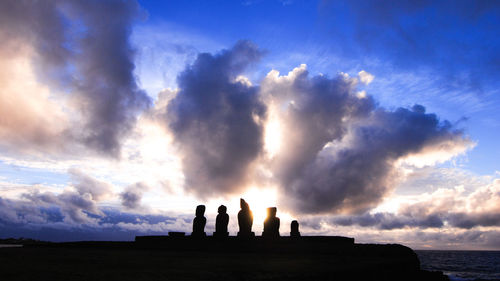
221 222
271 224
294 229
199 222
245 220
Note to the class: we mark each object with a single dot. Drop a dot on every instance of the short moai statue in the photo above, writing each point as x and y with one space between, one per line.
199 222
294 229
271 224
245 220
221 222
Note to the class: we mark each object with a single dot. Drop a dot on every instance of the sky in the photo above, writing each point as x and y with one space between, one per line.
376 120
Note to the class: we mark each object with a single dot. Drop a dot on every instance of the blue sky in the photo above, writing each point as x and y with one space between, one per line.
441 55
372 119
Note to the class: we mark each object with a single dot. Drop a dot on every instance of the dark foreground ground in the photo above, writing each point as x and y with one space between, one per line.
202 260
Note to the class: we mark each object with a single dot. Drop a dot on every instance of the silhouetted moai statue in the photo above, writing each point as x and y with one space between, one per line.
245 220
221 222
271 224
294 229
199 222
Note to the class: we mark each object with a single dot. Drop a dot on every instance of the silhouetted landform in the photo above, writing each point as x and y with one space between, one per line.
221 222
294 229
201 257
22 241
271 224
199 222
245 220
234 258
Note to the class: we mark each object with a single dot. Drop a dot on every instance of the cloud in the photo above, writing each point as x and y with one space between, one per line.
388 221
460 209
112 226
78 208
78 203
444 208
339 151
30 121
85 184
365 77
132 195
335 152
74 207
217 121
81 48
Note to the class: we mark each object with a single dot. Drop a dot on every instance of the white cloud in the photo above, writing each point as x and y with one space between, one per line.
365 77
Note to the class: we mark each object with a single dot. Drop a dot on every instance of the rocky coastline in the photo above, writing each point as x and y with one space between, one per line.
178 257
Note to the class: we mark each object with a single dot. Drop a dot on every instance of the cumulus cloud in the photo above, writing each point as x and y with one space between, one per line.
132 195
29 120
217 121
74 207
445 208
458 207
335 151
339 150
27 219
365 77
77 47
78 203
85 184
388 221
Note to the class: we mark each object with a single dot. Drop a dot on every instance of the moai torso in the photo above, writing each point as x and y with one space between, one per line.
271 224
294 229
221 222
199 222
245 219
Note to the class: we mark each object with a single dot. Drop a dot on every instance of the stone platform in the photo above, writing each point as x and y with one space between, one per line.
284 244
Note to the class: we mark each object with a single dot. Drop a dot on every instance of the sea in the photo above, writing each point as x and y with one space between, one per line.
462 265
10 246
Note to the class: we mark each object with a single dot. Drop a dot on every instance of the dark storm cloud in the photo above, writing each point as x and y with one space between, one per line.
82 46
217 121
339 150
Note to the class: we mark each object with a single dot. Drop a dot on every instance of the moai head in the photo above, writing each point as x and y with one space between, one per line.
244 204
200 210
222 209
271 212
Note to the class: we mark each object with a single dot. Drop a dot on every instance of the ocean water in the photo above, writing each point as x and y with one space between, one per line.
462 265
10 246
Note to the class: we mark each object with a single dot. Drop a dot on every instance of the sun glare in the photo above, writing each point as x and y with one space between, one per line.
272 138
259 200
